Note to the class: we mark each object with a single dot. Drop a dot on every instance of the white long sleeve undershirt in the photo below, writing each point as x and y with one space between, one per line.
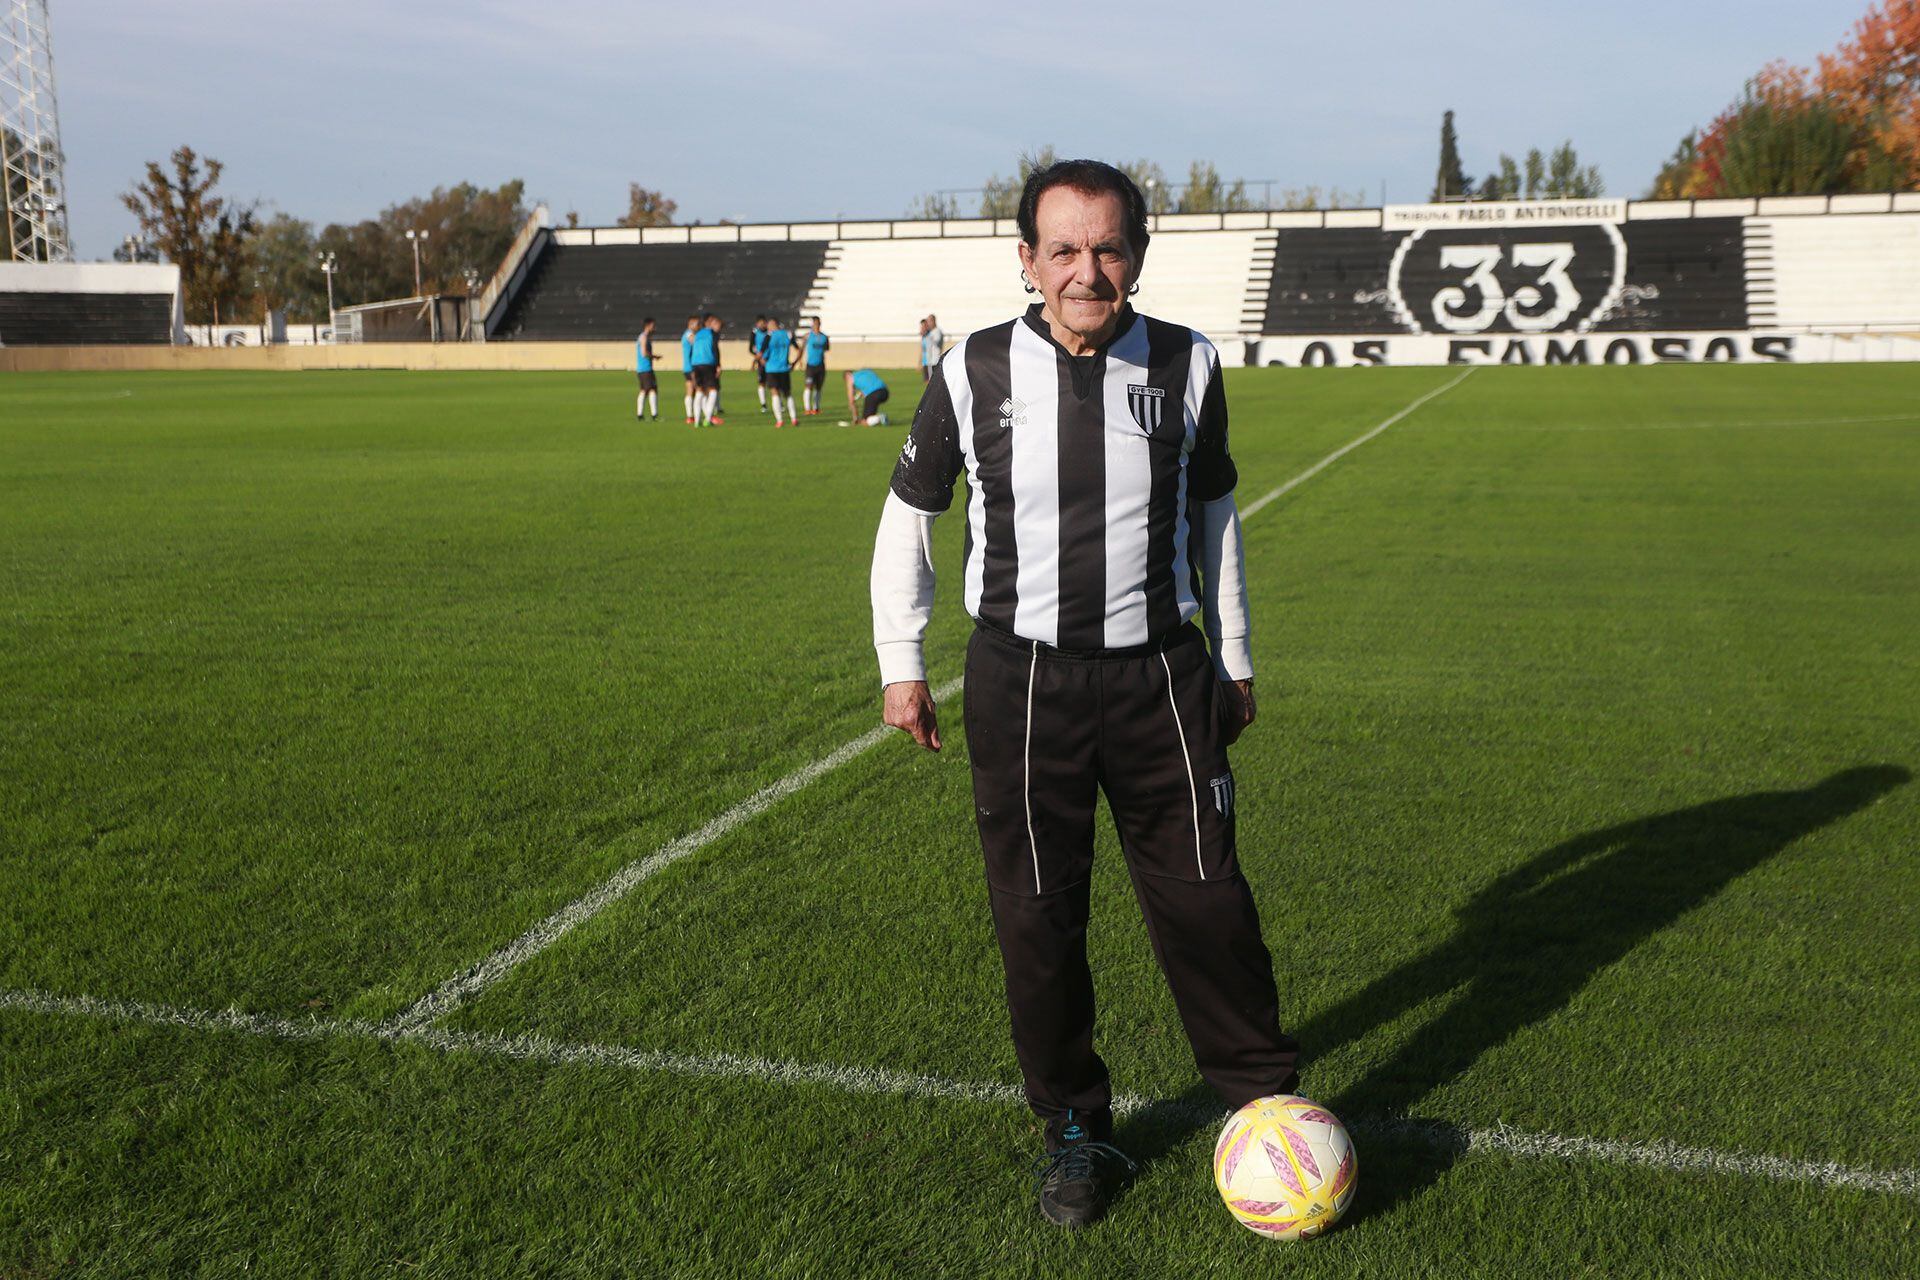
902 590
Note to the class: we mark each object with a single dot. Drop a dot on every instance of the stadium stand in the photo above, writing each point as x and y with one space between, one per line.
88 304
1392 285
576 291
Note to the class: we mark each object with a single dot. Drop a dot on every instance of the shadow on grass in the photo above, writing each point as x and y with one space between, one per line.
1525 946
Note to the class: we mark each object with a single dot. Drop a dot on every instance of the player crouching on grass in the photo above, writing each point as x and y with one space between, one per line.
1086 672
865 394
777 355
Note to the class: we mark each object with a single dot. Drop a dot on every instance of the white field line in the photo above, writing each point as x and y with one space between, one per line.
1663 1156
1347 448
469 982
1883 419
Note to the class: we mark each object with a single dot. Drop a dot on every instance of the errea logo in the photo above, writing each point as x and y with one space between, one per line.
1013 413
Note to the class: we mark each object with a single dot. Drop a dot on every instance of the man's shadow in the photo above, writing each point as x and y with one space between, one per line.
1526 944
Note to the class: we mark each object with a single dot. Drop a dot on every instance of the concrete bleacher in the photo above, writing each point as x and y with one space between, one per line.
1836 264
575 291
62 304
1858 272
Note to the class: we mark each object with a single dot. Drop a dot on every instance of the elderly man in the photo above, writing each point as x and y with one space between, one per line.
1094 441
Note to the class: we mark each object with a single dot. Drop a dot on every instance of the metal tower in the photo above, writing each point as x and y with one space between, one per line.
30 159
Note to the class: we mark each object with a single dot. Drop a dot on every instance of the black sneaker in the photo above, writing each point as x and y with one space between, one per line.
1080 1172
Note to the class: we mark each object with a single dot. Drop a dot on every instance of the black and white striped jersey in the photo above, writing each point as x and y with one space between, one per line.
1083 475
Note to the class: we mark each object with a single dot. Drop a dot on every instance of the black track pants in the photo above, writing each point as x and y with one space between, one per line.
1045 729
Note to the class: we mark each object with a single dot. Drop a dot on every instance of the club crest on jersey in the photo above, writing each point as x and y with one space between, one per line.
1145 403
1013 413
1222 787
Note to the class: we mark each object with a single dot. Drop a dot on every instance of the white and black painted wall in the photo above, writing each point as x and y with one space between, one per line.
1592 282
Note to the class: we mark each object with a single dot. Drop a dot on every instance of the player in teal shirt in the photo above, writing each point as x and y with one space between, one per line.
816 342
706 372
777 357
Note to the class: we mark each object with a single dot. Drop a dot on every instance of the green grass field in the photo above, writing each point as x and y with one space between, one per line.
1581 811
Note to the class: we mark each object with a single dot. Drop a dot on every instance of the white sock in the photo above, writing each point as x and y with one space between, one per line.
653 403
790 412
689 404
640 404
762 391
713 405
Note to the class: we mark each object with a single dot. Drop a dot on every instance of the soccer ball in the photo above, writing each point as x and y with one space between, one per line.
1285 1166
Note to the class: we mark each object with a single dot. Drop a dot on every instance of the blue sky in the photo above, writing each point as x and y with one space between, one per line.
332 111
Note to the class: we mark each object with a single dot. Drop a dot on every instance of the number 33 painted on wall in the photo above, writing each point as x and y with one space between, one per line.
1551 260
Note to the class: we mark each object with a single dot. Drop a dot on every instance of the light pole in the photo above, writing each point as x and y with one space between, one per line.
329 264
415 238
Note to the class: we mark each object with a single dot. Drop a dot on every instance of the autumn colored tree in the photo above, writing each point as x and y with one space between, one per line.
204 234
1874 82
1854 125
1678 172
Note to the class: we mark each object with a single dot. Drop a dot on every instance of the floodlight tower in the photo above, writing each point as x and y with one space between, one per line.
31 163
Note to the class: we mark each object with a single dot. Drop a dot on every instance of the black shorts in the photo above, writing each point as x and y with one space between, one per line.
760 374
816 374
781 382
706 377
648 382
873 402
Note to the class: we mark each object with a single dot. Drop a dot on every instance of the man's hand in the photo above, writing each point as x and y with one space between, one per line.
1237 709
909 707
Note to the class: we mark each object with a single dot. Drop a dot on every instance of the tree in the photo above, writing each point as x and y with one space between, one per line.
282 260
1451 181
1567 180
1873 81
1679 175
1152 181
1000 198
1779 139
647 208
469 229
1536 173
202 233
1503 184
1207 193
934 206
